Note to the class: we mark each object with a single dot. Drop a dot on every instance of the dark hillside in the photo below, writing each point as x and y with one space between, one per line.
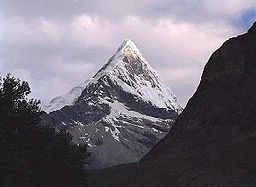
213 142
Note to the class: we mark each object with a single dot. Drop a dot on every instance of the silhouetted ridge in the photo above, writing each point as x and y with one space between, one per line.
213 141
253 28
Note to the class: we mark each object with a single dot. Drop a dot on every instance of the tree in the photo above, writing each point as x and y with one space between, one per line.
31 155
17 111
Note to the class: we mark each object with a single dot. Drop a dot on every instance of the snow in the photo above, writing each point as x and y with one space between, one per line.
146 85
134 125
78 123
119 109
67 99
160 95
153 129
127 47
106 129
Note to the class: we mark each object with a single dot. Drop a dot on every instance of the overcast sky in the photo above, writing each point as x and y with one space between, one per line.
57 44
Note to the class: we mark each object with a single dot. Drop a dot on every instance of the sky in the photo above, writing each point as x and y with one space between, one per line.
56 45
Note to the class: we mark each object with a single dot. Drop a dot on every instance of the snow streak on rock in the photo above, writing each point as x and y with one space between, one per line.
121 112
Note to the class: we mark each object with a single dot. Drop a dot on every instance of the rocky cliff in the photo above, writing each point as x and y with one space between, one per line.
122 111
213 141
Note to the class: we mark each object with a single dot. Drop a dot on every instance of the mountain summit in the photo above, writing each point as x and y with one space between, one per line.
212 143
121 112
133 73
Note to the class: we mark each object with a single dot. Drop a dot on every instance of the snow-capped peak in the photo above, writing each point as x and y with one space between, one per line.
128 69
128 46
122 112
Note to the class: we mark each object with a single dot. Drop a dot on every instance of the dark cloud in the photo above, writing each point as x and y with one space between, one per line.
57 44
180 10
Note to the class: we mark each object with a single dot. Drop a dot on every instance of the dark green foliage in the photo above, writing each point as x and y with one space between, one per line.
31 155
16 110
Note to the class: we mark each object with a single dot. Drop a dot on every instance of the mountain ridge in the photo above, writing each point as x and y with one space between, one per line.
212 143
122 112
115 65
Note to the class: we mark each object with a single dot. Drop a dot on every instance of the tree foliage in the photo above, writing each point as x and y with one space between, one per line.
31 155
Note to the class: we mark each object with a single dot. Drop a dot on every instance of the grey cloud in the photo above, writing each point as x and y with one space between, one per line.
41 57
66 10
180 10
56 61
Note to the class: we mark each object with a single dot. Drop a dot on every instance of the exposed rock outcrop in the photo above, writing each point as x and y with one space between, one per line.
123 111
213 141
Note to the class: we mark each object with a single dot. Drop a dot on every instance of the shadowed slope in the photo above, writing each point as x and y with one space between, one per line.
213 142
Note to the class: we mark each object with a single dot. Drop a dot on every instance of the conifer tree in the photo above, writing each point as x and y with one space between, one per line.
31 155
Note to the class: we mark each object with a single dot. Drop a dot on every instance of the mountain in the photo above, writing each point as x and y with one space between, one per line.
67 99
213 141
122 112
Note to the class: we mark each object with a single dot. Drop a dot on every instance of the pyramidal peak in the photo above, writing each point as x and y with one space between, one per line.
128 69
121 113
128 44
127 50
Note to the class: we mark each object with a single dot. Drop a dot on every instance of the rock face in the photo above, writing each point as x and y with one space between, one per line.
67 99
213 141
122 112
